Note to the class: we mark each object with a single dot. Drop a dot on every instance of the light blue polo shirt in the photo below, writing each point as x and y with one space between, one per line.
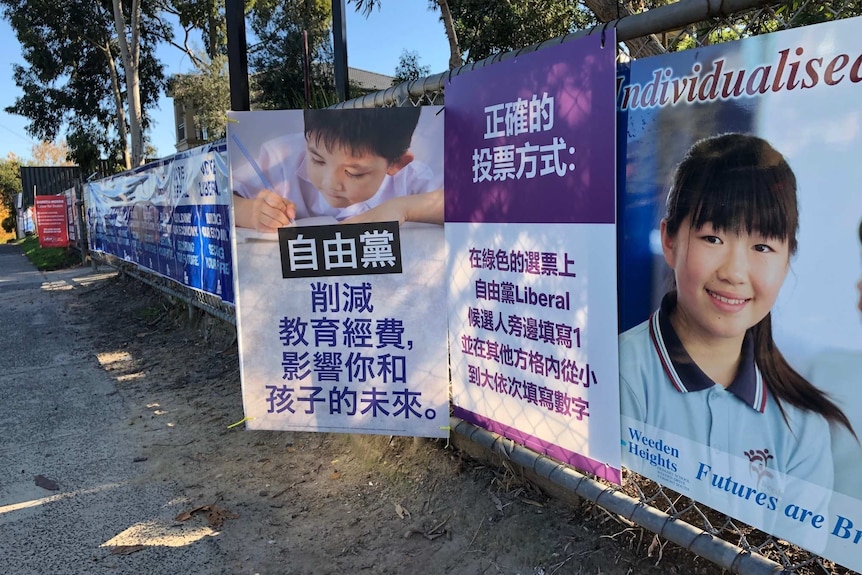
660 385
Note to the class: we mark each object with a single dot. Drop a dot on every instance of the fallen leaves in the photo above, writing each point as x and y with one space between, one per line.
216 515
402 512
431 534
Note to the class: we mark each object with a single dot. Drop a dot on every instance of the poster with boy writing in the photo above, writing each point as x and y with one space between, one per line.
530 216
740 240
340 269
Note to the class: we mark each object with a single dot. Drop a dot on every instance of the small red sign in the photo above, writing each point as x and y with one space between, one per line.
52 225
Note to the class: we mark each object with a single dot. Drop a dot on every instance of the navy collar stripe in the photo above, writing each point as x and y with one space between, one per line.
664 357
687 377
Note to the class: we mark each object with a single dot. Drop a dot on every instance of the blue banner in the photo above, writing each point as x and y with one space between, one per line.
171 217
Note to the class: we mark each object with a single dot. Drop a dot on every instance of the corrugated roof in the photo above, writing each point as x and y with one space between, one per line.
47 181
369 80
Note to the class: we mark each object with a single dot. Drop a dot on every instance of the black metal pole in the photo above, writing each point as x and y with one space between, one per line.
237 55
339 44
306 68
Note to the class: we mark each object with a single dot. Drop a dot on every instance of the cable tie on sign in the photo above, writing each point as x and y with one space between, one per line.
448 436
240 422
603 32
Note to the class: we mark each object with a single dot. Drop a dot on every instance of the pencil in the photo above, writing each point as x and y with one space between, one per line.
263 179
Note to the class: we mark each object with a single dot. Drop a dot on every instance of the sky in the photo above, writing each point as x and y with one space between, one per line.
374 44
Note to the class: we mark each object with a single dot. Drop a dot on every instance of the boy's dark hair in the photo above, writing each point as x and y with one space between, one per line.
739 182
385 132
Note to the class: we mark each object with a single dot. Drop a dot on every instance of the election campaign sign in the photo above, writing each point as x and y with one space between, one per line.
52 224
339 254
530 217
740 240
171 217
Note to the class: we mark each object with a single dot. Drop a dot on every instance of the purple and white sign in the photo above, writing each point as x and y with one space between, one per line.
530 232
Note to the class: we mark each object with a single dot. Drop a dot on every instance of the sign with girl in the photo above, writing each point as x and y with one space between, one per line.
738 268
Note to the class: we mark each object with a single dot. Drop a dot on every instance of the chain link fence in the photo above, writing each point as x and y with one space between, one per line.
639 502
682 25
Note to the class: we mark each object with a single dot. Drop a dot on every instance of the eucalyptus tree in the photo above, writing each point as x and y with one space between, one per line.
208 91
10 186
204 17
478 28
488 28
90 69
409 68
277 57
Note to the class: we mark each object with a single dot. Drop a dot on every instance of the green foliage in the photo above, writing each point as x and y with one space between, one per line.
366 6
790 14
209 92
409 69
707 35
47 259
206 16
805 13
85 149
488 28
10 186
277 59
69 50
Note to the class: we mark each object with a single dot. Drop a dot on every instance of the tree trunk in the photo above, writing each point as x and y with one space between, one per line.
455 59
121 110
130 51
212 31
609 10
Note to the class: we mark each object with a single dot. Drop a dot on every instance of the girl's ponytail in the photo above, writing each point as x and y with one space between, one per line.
785 383
740 182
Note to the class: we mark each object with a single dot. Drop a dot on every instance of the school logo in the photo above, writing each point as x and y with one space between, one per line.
758 465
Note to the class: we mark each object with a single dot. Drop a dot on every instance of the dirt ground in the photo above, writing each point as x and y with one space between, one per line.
305 503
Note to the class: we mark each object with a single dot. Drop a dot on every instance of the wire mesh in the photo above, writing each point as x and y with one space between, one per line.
770 17
666 36
659 35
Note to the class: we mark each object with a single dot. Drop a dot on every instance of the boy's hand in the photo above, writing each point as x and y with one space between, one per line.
427 208
393 210
270 212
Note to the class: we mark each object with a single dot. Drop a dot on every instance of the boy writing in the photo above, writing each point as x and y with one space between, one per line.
352 165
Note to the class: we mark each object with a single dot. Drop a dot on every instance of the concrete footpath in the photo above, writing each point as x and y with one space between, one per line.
71 498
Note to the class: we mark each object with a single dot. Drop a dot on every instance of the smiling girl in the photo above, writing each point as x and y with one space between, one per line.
704 366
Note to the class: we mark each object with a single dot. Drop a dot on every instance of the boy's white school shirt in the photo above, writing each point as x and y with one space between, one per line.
283 161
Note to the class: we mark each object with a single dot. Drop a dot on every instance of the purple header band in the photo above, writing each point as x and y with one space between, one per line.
531 139
541 446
